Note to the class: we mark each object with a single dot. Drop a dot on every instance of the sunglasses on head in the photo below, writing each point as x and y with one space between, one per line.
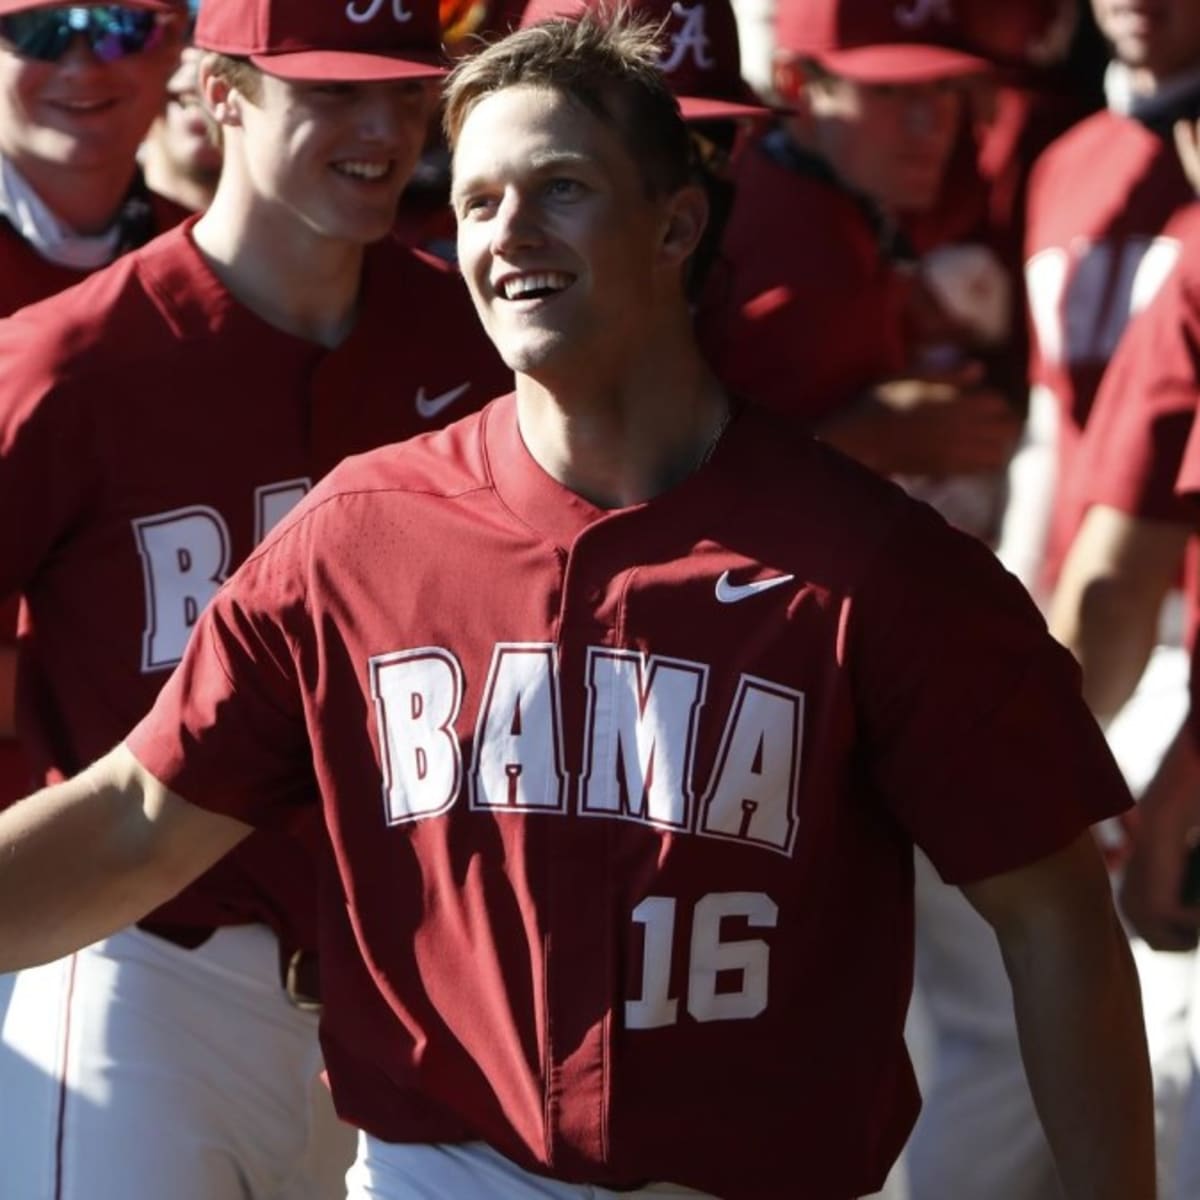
112 31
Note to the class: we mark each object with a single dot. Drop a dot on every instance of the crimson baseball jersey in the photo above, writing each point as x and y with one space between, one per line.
621 803
1099 246
25 278
802 310
152 429
1130 453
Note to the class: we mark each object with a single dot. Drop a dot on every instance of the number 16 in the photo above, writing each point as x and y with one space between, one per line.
709 955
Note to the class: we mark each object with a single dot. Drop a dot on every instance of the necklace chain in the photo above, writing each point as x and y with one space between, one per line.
711 448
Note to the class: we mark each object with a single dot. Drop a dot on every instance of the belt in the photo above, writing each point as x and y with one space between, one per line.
301 973
299 970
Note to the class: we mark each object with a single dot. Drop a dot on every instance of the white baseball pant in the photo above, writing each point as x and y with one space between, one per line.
138 1070
385 1171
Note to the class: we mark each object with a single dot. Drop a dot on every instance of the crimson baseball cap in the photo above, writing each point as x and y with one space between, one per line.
879 41
331 40
163 6
701 59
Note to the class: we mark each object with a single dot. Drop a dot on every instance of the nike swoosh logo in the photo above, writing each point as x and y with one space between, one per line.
433 406
732 593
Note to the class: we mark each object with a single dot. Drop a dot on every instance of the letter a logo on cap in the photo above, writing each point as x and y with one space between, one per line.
370 9
916 13
692 37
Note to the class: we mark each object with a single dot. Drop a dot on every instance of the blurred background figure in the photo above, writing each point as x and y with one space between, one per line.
1106 218
77 93
181 157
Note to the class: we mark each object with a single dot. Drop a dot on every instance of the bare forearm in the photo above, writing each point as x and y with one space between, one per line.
84 858
1085 1057
1079 1019
1111 630
1106 607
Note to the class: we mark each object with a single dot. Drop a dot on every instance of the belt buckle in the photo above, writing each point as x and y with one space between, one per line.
294 983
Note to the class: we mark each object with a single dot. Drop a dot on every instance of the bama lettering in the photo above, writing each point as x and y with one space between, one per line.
639 743
185 555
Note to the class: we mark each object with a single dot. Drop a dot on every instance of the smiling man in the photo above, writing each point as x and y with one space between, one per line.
79 87
155 422
622 706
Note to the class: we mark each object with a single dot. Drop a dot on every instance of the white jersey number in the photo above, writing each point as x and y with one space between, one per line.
709 956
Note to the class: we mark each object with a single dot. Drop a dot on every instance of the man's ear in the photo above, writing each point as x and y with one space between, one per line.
221 98
686 217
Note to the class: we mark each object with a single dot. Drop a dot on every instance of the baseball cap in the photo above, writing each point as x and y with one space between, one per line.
163 6
879 41
702 57
332 40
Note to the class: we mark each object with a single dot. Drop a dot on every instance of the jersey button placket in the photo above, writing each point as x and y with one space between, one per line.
581 971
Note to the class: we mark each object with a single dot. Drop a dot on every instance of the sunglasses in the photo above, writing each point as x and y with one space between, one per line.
111 30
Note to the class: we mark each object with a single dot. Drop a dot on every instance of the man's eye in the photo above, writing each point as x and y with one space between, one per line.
337 90
475 205
564 188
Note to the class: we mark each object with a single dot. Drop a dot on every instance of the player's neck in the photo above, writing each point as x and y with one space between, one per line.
86 201
622 442
303 284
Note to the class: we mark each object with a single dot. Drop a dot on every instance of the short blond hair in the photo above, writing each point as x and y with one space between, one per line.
239 73
609 64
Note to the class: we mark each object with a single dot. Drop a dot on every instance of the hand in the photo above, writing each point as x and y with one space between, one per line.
1168 822
936 425
1187 143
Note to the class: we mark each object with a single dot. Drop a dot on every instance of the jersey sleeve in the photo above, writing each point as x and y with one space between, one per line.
979 741
1134 440
227 731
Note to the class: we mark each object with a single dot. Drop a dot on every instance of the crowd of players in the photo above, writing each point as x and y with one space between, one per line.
958 242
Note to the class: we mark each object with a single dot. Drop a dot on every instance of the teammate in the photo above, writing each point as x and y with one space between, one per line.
1121 566
72 111
613 760
1096 253
79 87
182 152
819 273
155 422
1101 241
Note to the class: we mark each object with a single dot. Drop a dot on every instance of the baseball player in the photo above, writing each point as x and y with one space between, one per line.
72 110
1097 252
1115 582
1162 353
1100 242
623 706
155 422
1159 894
811 289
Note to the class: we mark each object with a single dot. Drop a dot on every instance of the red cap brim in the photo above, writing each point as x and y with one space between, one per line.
344 66
902 63
704 108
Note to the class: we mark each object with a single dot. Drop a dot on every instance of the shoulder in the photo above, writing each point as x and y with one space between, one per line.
26 277
445 465
818 503
105 321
